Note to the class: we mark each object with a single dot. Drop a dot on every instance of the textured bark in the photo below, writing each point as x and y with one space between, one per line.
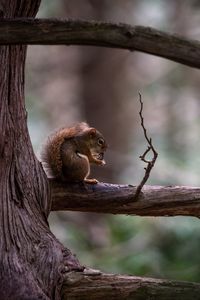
31 259
139 38
117 287
119 199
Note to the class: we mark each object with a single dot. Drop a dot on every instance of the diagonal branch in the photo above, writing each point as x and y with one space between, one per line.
119 199
123 36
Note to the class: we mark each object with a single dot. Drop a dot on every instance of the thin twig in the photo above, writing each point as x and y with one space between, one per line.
150 163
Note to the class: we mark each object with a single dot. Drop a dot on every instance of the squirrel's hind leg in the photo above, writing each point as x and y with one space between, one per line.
91 180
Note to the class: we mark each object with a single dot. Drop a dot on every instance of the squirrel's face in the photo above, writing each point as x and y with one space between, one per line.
96 144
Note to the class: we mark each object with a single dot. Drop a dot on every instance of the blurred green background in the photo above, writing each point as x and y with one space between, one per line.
69 84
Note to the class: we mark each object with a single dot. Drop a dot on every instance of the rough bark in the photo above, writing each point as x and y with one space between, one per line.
31 259
119 199
118 287
70 32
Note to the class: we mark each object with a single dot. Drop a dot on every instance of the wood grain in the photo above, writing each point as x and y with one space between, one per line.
119 199
118 287
123 36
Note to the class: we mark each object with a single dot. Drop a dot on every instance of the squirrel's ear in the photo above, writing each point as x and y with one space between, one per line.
92 131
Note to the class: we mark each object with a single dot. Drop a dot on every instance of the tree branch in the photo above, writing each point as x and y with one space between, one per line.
76 32
118 287
119 199
150 163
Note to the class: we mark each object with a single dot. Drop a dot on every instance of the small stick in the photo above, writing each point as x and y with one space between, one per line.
150 163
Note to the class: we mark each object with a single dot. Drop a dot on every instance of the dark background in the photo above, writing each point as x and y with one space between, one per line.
69 84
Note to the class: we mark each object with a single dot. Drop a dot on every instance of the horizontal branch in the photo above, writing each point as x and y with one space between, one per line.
119 199
76 32
118 287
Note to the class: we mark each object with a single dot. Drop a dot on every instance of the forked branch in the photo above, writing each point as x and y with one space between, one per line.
150 163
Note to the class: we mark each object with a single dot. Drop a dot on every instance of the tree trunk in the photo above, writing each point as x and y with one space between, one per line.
31 259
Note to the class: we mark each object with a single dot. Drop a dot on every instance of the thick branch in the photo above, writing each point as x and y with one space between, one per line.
76 32
108 286
119 199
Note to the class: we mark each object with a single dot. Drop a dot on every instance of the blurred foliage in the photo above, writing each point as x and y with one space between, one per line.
161 247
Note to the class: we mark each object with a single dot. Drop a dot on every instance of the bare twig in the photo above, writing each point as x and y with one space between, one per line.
150 163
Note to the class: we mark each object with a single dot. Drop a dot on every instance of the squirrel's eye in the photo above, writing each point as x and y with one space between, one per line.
100 142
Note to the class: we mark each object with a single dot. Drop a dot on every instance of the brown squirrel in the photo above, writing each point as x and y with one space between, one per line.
69 152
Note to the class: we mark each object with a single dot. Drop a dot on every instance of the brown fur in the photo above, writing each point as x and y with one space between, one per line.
70 151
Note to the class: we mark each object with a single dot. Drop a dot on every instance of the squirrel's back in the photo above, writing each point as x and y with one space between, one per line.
51 155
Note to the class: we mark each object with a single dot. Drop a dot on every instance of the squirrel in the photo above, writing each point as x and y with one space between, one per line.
69 152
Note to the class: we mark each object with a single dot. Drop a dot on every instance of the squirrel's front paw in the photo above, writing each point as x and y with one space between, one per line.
103 162
100 162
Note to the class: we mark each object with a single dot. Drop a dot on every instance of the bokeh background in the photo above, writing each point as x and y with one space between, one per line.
69 84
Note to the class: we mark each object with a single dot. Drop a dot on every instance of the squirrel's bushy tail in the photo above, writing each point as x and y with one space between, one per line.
51 153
